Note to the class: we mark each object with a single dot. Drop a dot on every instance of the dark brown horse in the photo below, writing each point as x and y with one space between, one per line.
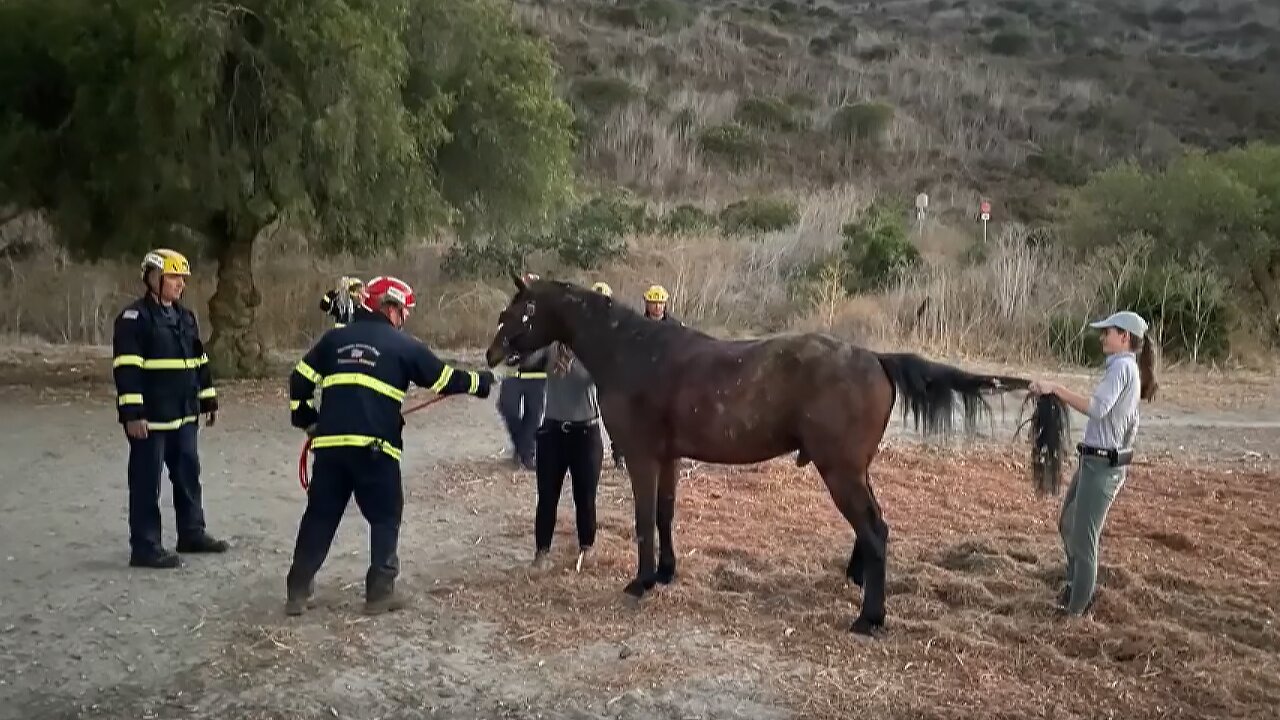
668 392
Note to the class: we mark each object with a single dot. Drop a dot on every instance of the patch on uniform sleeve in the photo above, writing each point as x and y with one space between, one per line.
129 314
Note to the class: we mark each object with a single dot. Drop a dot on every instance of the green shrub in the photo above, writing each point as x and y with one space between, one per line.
1010 42
767 113
686 219
471 258
876 249
863 123
595 232
1187 302
1059 166
600 94
650 14
820 46
1169 15
733 144
684 121
758 215
1071 340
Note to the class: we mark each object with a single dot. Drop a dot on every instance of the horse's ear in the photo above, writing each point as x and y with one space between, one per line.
521 285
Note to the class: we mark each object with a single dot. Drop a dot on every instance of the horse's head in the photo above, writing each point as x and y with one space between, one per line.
529 323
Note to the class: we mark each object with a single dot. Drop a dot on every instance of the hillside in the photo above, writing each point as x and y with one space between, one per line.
768 150
1009 99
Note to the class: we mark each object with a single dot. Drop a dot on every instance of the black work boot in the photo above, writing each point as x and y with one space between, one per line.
161 559
202 543
381 596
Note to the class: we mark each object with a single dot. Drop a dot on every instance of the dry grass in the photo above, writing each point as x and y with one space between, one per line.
1185 624
724 285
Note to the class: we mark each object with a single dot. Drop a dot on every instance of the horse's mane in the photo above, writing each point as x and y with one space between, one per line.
631 322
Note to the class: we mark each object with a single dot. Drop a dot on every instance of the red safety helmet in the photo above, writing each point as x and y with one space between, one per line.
388 289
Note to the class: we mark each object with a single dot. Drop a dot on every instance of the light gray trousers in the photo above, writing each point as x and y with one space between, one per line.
1084 510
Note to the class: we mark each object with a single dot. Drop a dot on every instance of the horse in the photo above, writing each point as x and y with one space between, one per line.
668 392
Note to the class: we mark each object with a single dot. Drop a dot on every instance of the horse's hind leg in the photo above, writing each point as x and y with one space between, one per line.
856 570
667 477
852 494
875 559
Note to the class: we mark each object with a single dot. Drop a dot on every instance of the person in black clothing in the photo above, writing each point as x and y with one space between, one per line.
163 384
364 370
526 387
568 441
344 302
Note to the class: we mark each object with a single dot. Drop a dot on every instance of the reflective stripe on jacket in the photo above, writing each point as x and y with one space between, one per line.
363 371
159 365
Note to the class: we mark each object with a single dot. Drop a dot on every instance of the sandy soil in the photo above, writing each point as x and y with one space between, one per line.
755 626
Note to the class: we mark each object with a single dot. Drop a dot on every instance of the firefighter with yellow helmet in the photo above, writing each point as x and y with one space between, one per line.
345 301
163 384
655 304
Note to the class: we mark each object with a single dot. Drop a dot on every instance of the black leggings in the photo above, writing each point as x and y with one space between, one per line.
579 450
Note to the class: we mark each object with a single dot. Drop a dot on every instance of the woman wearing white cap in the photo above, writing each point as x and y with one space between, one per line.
1107 448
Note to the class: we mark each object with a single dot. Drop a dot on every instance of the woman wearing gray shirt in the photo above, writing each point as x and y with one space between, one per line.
1108 445
568 440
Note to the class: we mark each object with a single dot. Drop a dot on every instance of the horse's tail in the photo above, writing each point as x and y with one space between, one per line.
929 391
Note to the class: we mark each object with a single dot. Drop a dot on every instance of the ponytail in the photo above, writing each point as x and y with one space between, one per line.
1147 384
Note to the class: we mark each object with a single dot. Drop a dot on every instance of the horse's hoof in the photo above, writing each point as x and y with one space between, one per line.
866 628
666 575
636 589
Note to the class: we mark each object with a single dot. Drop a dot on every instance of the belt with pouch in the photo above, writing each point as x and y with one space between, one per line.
570 425
1117 458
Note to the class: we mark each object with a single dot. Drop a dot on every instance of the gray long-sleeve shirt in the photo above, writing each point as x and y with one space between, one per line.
1113 408
570 397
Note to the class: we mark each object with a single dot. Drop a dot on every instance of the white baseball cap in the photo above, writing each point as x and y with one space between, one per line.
1125 320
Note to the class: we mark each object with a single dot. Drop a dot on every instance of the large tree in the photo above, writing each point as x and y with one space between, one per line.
198 124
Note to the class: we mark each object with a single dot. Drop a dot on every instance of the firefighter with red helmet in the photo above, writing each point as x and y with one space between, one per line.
364 370
163 384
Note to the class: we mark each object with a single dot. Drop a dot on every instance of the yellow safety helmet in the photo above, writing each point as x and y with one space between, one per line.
656 293
602 288
353 285
169 262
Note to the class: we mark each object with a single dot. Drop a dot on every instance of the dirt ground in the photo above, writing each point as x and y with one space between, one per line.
755 626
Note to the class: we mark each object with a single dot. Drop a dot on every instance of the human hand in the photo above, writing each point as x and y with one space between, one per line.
210 418
487 380
136 429
1044 387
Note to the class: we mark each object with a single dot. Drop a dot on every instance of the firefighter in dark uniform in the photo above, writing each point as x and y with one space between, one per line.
163 385
526 386
364 370
344 302
655 308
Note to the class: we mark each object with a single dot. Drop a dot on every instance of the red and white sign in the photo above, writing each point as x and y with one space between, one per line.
986 210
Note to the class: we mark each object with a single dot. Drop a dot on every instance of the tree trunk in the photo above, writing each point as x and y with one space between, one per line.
235 348
1266 280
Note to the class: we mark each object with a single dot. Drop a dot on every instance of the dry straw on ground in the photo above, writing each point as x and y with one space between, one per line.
1185 624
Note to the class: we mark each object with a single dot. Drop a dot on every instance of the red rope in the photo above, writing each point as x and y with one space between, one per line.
303 478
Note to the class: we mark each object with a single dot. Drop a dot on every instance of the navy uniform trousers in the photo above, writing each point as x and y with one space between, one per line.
523 427
175 449
337 474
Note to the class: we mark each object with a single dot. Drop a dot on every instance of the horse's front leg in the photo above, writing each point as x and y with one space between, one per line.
667 477
644 488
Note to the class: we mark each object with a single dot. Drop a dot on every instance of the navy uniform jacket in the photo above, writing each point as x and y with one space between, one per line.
334 310
160 368
364 370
